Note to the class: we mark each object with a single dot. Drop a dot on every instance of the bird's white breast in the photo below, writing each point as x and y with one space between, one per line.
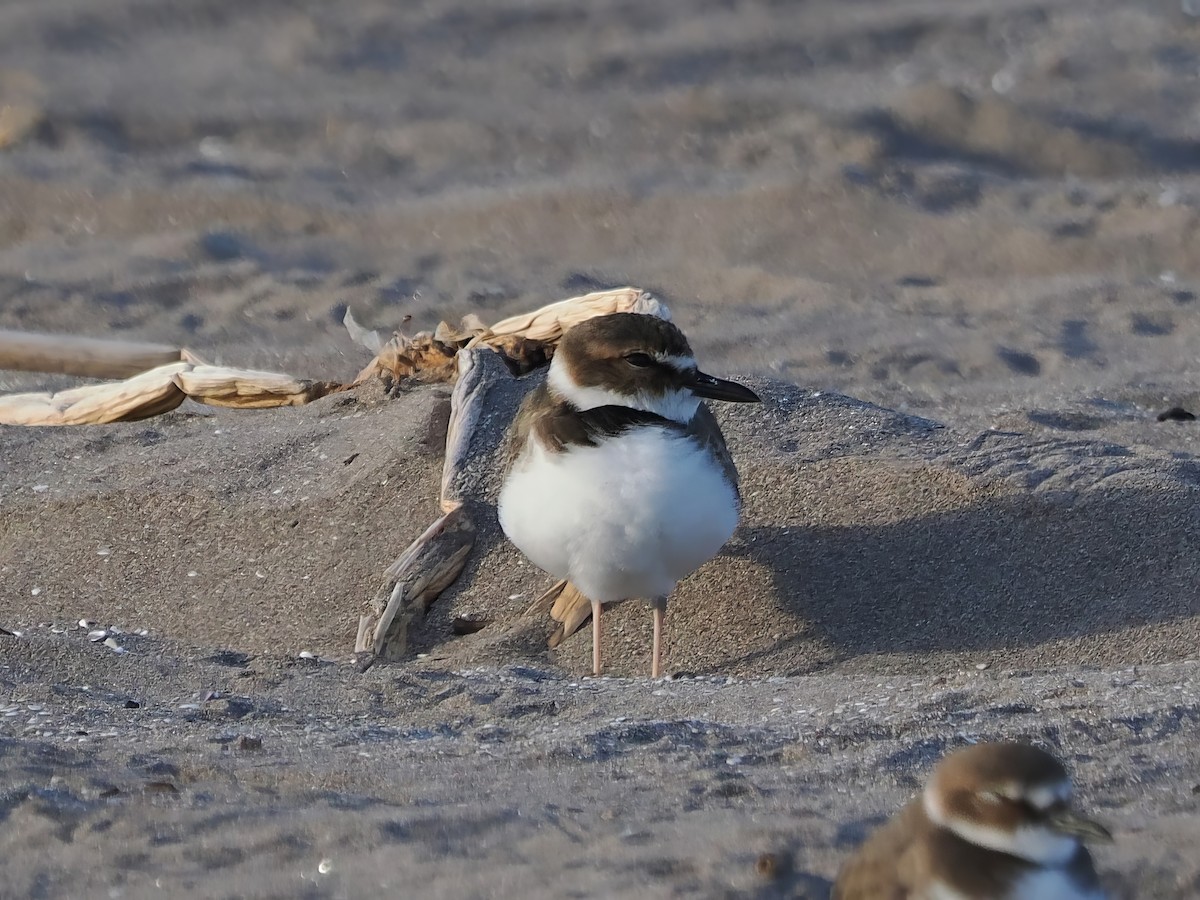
625 518
1051 884
1040 884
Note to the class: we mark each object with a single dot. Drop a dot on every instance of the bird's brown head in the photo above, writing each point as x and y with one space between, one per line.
641 361
1009 797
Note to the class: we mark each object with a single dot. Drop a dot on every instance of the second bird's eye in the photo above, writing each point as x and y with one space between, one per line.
640 360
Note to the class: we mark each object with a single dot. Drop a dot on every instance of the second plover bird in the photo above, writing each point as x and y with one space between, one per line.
994 823
619 479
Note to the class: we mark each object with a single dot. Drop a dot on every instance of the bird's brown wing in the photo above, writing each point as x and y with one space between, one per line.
519 432
704 429
883 868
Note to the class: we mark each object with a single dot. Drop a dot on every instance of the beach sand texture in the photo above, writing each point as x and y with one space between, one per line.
953 245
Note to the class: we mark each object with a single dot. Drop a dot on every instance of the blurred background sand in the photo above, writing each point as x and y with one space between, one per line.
985 211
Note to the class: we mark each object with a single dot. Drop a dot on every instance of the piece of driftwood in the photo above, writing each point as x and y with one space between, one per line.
548 323
158 391
428 567
435 559
140 397
478 369
250 389
166 375
70 355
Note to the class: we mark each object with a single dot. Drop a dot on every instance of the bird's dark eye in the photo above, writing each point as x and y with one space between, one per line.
639 360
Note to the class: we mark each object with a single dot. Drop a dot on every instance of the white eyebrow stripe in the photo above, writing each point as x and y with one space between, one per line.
678 363
1045 795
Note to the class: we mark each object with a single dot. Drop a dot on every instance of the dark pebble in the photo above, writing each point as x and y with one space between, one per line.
469 624
1176 414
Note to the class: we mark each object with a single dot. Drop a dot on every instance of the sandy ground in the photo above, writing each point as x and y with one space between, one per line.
979 219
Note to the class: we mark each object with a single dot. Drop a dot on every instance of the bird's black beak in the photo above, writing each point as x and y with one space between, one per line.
712 388
1067 821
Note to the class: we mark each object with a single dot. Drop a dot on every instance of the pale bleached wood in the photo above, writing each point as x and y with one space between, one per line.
524 341
65 354
249 389
160 390
478 369
140 397
564 603
366 634
550 322
430 564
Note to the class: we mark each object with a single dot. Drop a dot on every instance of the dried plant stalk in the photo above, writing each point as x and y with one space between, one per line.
525 341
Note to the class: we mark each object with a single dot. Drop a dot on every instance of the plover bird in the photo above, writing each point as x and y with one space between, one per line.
993 823
619 478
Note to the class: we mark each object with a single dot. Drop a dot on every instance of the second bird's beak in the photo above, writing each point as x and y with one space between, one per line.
1070 822
712 388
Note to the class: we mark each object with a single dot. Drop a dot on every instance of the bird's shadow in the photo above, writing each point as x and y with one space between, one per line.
1011 572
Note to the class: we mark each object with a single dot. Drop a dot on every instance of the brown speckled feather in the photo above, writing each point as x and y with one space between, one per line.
875 871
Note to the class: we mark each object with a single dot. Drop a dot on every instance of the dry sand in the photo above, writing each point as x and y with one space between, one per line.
982 215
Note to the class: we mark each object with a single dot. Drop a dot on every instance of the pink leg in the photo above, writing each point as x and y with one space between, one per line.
596 608
658 607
